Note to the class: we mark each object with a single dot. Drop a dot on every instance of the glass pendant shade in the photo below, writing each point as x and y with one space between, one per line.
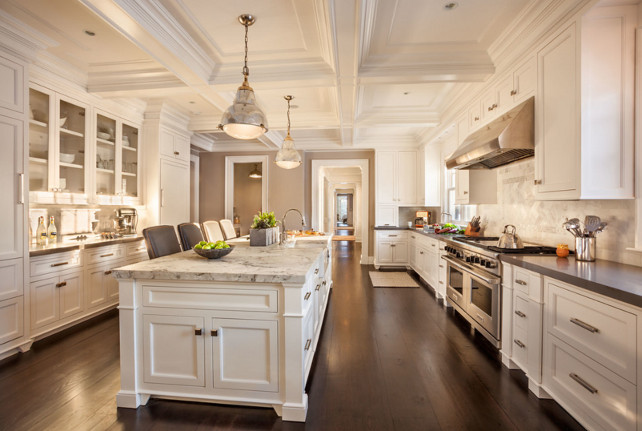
244 119
287 157
255 173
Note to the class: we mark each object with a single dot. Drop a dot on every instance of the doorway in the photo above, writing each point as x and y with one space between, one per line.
245 190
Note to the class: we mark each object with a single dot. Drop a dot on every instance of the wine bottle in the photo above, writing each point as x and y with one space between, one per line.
52 232
41 232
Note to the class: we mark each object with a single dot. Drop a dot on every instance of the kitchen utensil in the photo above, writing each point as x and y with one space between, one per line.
509 239
600 228
591 223
585 249
573 226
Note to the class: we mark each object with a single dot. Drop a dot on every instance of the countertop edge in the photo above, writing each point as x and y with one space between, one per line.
81 245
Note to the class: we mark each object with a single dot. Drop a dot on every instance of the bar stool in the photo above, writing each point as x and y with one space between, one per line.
228 229
212 231
190 234
161 241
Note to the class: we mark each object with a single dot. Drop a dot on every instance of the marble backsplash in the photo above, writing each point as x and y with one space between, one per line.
541 221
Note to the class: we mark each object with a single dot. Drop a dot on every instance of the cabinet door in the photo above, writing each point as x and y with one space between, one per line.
166 144
245 355
11 276
12 82
489 104
44 302
11 322
400 252
412 250
462 186
111 283
174 350
387 215
386 174
12 191
525 80
96 286
384 251
407 177
557 117
474 116
181 148
504 95
174 193
71 294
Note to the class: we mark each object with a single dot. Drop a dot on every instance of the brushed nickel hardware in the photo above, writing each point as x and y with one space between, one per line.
480 317
162 198
108 272
307 344
519 343
513 92
307 296
21 185
583 383
323 283
107 255
318 287
316 271
61 284
584 325
522 282
214 332
59 264
392 236
519 313
537 182
198 331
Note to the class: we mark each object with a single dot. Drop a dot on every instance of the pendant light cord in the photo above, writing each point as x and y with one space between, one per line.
246 71
288 116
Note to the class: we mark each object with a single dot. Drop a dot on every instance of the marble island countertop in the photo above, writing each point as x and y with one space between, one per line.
68 245
271 264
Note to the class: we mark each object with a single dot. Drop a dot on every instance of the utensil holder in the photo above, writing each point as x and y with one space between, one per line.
585 249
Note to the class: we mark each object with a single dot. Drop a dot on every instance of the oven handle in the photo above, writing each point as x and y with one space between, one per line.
457 265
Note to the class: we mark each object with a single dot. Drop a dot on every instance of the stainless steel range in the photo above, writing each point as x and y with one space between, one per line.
474 276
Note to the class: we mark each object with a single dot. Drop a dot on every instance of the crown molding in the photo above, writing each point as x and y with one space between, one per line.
167 115
287 70
126 76
52 72
202 142
22 40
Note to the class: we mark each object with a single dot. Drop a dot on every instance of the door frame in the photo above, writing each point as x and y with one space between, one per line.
317 196
195 176
229 181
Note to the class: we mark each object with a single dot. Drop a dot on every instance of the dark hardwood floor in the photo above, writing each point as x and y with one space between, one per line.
388 359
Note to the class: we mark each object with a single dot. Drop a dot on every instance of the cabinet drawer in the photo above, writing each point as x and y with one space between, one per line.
51 264
603 332
135 249
528 282
255 300
393 234
520 313
11 321
103 254
520 347
593 394
11 278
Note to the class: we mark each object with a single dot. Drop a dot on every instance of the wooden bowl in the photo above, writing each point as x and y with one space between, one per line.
214 253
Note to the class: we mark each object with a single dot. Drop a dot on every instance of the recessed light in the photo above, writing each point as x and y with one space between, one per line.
90 33
451 5
405 93
191 102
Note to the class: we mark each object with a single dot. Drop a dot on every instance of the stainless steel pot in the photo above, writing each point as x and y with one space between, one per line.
510 239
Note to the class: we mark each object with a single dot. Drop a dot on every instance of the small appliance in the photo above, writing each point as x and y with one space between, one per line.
422 218
126 220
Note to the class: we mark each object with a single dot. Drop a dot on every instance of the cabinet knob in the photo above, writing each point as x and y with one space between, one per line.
465 192
198 331
107 272
176 153
537 182
214 332
476 118
513 92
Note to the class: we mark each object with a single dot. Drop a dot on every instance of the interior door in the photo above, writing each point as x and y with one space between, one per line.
12 193
174 193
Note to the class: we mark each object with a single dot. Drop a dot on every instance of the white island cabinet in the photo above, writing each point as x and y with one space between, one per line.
242 329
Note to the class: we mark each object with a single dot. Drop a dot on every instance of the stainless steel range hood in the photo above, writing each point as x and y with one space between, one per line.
502 141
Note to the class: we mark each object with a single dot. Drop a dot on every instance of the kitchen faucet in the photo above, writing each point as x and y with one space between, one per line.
282 236
443 214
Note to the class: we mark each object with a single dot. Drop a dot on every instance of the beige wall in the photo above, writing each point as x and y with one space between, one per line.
339 155
247 195
285 186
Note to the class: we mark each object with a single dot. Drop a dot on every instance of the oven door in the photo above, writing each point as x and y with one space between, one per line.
484 302
456 281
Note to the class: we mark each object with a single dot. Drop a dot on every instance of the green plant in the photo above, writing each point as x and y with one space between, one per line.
264 220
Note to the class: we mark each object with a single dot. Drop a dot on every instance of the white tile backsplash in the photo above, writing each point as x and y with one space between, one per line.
541 221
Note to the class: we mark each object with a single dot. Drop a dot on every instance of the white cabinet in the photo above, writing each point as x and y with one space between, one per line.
387 215
426 260
12 79
584 137
396 173
245 354
391 248
174 190
12 193
56 298
475 186
174 146
101 288
11 320
431 177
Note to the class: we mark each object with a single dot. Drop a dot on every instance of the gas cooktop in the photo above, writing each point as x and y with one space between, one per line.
490 243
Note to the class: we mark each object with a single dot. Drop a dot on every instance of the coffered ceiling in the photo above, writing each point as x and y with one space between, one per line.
364 73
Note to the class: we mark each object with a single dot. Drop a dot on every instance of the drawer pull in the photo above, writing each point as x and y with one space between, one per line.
316 271
480 317
318 287
584 325
107 255
583 383
520 314
198 331
441 266
522 282
176 153
108 272
307 296
324 283
392 236
307 344
59 264
513 92
441 282
519 343
214 332
61 284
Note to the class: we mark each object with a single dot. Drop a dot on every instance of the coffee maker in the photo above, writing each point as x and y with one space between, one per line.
126 220
423 218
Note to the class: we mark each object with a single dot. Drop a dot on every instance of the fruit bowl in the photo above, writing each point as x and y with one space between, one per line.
214 253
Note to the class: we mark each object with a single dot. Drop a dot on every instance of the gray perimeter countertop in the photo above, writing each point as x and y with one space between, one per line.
59 247
612 279
271 264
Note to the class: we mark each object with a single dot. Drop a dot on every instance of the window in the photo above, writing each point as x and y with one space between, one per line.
458 213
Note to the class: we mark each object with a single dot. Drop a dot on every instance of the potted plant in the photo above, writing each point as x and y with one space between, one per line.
263 230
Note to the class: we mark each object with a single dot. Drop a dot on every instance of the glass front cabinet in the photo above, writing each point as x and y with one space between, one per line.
79 154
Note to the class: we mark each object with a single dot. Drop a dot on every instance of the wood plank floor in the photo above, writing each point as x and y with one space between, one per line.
388 359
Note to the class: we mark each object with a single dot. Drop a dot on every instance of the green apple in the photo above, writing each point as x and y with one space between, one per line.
202 243
198 246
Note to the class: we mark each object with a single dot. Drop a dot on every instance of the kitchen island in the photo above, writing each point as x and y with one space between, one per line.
242 329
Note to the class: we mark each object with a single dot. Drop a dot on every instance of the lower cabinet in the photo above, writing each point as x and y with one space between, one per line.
56 298
11 319
102 288
391 248
426 261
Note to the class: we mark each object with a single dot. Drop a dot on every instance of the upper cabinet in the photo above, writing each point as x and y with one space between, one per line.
396 173
584 131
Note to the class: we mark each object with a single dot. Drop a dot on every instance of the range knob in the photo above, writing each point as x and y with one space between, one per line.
490 264
447 248
476 259
483 262
468 258
459 255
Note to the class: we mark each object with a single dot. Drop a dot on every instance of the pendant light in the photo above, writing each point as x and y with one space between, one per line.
287 157
255 172
244 119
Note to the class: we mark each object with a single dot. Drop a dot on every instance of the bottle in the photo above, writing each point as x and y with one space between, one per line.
52 232
41 232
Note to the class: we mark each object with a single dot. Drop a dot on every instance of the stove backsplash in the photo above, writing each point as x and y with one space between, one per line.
541 221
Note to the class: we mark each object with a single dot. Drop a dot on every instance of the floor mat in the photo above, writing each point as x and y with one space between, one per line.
392 279
343 238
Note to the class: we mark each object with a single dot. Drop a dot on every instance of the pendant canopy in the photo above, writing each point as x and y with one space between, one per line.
288 157
244 119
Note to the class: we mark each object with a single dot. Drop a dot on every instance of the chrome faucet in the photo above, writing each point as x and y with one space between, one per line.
283 234
443 214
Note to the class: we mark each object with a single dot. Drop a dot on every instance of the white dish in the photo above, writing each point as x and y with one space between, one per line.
67 158
62 121
103 135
